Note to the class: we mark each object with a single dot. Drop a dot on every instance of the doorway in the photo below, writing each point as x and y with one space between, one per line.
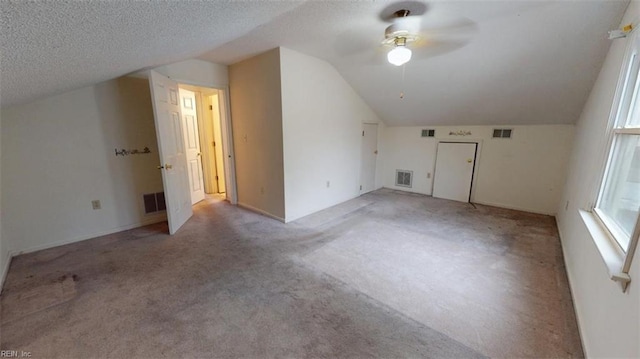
170 132
455 165
204 134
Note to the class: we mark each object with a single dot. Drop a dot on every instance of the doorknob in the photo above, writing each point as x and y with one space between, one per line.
167 166
469 160
199 154
160 167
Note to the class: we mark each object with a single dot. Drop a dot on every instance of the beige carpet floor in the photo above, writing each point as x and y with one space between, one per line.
387 275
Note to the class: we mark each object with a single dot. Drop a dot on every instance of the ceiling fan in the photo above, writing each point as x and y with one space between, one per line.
403 31
407 32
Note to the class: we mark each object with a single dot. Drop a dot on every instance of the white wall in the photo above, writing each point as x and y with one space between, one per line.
609 320
526 172
256 107
322 126
58 154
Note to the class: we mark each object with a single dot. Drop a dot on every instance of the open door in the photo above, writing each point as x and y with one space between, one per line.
166 111
191 134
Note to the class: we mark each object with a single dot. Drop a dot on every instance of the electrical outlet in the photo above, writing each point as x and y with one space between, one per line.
328 184
96 204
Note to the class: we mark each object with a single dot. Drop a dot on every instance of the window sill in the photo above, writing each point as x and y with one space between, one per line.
610 252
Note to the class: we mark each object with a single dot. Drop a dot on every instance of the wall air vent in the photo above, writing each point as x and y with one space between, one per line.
404 178
428 133
502 133
153 202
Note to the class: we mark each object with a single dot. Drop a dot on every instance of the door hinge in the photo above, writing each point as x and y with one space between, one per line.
362 133
214 143
216 178
210 107
361 187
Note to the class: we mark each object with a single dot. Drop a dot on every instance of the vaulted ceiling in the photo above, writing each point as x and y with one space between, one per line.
480 62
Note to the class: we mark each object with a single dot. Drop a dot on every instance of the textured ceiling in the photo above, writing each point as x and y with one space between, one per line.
55 46
483 62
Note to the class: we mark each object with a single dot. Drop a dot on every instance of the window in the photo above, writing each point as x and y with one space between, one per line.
620 195
618 202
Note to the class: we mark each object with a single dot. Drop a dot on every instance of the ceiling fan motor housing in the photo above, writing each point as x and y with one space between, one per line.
407 27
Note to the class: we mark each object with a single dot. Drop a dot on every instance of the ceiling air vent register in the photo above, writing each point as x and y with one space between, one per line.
502 133
428 133
404 178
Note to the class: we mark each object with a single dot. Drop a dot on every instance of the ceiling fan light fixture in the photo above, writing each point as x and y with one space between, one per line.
399 55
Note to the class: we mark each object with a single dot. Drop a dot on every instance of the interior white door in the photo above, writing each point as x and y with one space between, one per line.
191 136
369 154
166 111
454 170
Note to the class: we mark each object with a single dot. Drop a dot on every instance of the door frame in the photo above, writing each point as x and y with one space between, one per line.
375 171
476 164
227 137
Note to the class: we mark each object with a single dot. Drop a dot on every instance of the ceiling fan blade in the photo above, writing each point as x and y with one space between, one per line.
433 48
354 42
457 25
373 56
377 56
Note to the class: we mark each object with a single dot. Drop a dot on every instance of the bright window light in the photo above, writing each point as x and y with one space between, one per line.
618 204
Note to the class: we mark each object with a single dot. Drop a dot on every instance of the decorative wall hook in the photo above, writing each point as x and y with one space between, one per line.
124 152
460 133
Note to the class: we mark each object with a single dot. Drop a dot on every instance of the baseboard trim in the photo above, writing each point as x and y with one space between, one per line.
516 208
337 202
404 189
573 296
5 270
260 211
83 237
492 204
11 254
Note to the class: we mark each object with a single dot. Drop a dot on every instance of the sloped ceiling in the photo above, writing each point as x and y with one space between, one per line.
54 46
483 62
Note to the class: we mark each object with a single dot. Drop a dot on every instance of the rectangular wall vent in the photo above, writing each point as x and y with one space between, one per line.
153 202
501 133
428 133
404 178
